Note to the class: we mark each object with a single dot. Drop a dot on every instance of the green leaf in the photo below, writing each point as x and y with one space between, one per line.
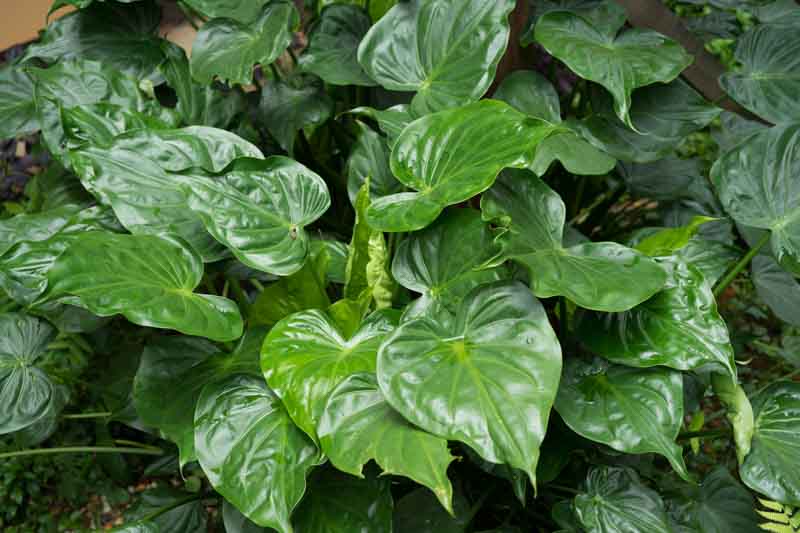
679 327
242 10
251 451
633 410
768 82
118 35
180 367
227 49
305 356
26 390
589 41
445 261
392 120
419 512
236 522
259 209
739 411
369 158
451 156
446 52
358 425
768 468
615 500
531 93
338 502
147 279
669 240
758 186
17 106
486 377
603 276
333 46
777 288
287 107
712 258
188 517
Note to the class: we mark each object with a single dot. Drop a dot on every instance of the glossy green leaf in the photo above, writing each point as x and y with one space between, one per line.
358 425
596 276
590 43
369 158
712 258
236 522
758 186
445 51
633 410
616 501
26 391
179 367
777 288
451 156
227 49
679 327
17 106
251 451
486 377
287 107
419 512
259 209
189 517
147 279
768 82
769 467
305 356
531 93
669 240
338 502
242 10
392 120
333 46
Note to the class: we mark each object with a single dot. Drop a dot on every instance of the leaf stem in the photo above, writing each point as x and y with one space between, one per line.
80 449
563 488
743 262
134 444
704 434
80 416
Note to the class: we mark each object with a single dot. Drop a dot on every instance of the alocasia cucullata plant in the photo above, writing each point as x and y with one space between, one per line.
480 247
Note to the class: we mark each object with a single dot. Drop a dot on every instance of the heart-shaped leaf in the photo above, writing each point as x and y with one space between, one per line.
242 10
445 51
251 451
777 288
632 410
358 425
305 356
227 49
593 275
589 41
486 377
147 279
451 156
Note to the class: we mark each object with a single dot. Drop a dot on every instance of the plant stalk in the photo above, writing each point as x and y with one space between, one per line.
81 449
743 262
81 416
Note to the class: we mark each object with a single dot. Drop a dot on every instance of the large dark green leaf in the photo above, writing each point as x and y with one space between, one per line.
616 501
148 279
333 45
486 377
758 186
589 41
451 156
777 288
596 276
179 367
338 502
769 80
443 261
16 103
227 49
446 51
369 158
419 512
679 327
188 517
26 391
632 410
251 451
531 93
242 10
358 425
121 36
306 355
770 468
259 209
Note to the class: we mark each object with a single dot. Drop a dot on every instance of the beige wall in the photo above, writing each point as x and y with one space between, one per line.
21 20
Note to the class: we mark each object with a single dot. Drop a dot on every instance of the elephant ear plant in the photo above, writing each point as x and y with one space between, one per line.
412 266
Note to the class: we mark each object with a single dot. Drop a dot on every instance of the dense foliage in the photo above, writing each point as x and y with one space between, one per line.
349 268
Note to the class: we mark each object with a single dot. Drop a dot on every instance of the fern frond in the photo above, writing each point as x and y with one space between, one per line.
781 518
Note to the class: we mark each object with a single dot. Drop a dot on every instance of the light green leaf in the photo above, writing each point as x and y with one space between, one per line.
358 425
633 410
305 356
486 377
369 158
227 49
451 156
589 41
669 240
17 106
739 411
147 279
251 451
596 276
446 51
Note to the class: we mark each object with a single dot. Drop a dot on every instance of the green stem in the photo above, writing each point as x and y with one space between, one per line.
563 488
704 434
738 267
134 444
80 449
80 416
292 55
239 295
257 284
